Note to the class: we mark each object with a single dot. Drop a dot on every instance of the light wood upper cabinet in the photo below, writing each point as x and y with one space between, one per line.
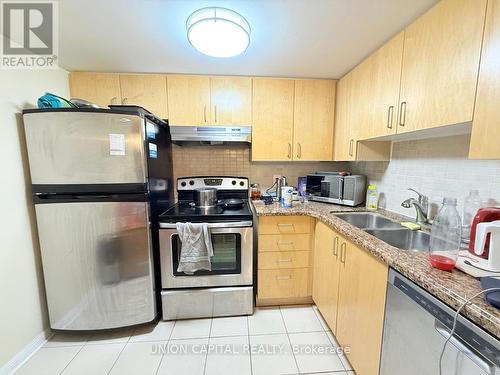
381 75
486 125
326 273
188 100
146 90
314 110
440 65
231 100
99 88
272 131
361 307
344 145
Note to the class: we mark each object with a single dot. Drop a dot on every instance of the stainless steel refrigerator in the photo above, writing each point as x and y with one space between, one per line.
100 178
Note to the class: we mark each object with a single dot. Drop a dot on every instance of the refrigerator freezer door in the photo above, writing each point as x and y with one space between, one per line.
97 264
85 148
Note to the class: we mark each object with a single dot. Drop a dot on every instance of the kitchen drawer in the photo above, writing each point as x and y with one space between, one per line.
284 224
284 242
285 283
284 259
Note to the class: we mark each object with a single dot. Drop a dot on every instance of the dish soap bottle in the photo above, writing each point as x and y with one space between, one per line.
445 236
372 198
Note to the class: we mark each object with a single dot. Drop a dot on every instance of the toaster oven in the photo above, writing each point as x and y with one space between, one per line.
337 188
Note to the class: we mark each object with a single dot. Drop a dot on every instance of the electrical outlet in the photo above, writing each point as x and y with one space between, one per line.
275 176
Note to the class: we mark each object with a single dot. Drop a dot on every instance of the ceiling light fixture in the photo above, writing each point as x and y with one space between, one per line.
218 32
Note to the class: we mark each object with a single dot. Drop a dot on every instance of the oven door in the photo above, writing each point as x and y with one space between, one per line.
231 264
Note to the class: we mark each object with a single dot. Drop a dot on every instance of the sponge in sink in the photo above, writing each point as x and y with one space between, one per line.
410 225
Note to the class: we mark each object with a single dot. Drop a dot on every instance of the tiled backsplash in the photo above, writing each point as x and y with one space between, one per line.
435 167
234 160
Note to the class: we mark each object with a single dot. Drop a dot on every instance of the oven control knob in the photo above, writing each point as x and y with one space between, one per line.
191 182
242 183
183 183
234 182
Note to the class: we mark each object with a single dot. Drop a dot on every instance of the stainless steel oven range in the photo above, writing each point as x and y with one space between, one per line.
228 288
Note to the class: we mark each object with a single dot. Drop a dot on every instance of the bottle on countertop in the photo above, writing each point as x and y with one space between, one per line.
286 196
445 236
372 198
472 204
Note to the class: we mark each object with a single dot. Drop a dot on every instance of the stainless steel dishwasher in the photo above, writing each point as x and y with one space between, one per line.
416 328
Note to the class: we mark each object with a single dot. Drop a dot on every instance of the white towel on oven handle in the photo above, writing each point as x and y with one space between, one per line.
196 248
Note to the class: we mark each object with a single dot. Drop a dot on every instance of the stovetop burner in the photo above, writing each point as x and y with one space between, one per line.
232 193
184 211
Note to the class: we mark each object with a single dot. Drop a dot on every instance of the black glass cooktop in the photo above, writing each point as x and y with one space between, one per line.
185 211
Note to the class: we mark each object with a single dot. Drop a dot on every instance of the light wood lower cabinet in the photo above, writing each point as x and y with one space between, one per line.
285 225
284 260
283 283
349 288
284 242
326 273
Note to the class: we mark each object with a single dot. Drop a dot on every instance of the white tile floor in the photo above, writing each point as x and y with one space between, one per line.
199 346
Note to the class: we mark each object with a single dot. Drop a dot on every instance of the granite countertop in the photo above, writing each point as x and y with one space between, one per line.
453 288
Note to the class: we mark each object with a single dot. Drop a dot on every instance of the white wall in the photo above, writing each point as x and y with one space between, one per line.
23 312
436 167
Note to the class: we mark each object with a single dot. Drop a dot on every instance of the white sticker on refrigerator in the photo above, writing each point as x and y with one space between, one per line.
117 144
153 151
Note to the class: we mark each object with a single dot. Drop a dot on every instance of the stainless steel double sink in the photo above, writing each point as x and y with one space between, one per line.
389 231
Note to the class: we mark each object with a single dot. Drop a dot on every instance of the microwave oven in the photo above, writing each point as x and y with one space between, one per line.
336 188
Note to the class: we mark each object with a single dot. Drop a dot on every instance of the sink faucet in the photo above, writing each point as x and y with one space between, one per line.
421 206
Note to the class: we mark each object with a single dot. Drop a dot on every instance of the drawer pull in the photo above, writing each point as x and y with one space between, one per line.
281 244
402 114
336 247
288 277
343 252
390 114
285 227
284 260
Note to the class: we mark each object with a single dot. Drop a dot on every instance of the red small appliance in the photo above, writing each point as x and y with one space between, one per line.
483 215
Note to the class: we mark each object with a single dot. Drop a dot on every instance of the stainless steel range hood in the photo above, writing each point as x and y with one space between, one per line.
211 134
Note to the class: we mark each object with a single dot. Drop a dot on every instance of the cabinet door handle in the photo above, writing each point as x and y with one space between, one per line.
124 100
289 150
351 144
113 99
299 151
205 113
390 114
402 114
343 252
288 277
284 260
215 112
336 247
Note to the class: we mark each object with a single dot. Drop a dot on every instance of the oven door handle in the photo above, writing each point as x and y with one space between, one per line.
226 224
